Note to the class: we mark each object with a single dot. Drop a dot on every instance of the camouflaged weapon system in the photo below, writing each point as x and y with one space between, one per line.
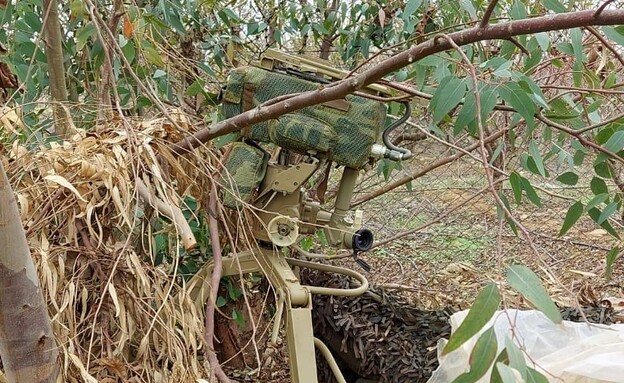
342 131
269 168
349 132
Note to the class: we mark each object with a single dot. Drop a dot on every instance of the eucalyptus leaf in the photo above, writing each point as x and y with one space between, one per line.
568 178
572 216
481 357
527 283
448 95
480 313
516 97
610 260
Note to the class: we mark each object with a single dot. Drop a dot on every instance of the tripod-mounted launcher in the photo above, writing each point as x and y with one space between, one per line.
347 132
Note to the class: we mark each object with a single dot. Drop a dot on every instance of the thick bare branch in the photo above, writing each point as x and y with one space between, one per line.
342 88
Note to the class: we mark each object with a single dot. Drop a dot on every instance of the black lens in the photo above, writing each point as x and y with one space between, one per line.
363 240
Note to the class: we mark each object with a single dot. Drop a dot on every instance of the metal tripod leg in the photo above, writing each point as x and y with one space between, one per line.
298 311
297 304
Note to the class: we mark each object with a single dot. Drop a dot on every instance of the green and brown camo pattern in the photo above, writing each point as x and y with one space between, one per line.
345 137
246 167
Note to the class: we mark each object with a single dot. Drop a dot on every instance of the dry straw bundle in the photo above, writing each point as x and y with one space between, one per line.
87 205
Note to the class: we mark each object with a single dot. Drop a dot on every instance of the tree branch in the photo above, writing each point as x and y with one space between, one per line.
421 172
347 86
488 13
606 43
602 8
214 287
53 39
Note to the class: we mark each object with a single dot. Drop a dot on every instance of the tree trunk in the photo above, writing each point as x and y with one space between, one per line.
27 347
56 68
328 40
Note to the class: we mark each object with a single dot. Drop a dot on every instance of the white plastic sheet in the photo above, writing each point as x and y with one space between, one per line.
569 352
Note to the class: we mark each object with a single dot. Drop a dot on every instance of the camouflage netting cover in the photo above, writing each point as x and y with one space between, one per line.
246 167
342 136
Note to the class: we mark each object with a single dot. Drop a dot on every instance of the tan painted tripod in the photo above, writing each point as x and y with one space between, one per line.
294 302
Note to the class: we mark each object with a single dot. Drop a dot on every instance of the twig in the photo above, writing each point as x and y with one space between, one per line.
174 213
217 261
583 90
602 7
421 172
606 43
579 136
434 221
488 13
520 46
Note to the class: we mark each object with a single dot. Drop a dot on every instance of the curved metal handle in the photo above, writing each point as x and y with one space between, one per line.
356 292
405 153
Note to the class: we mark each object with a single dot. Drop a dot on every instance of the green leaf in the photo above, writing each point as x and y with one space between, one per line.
501 358
84 34
516 358
447 96
238 318
603 169
489 98
607 212
480 313
516 185
543 40
467 114
598 186
595 214
534 376
596 201
615 142
518 10
576 37
568 178
610 259
555 6
537 157
527 283
33 20
507 374
468 7
252 28
515 96
614 34
220 301
129 51
410 8
530 192
500 213
572 216
481 357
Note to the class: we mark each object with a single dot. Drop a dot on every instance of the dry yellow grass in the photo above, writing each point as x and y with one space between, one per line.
116 317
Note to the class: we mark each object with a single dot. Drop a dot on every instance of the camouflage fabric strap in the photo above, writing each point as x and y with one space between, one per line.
246 166
342 131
